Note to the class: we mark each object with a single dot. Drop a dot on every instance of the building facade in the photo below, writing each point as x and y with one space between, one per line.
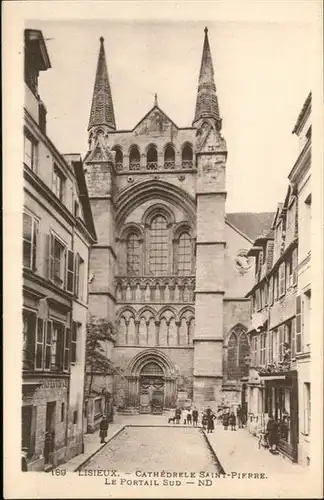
57 233
300 177
279 383
169 267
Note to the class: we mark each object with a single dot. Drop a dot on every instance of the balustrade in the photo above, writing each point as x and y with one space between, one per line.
159 289
153 165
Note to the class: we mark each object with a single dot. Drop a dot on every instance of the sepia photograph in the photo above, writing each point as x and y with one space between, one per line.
166 293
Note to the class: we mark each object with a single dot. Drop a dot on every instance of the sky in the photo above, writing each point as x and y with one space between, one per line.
263 74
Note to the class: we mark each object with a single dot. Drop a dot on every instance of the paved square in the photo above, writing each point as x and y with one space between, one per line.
156 448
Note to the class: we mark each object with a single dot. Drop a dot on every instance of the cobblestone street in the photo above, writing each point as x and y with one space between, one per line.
155 448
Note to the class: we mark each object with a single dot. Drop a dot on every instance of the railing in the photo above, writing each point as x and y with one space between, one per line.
158 289
169 165
152 165
135 166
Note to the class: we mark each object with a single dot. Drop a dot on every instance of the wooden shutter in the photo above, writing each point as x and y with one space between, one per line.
60 346
281 342
282 277
33 429
271 291
39 357
298 325
35 243
294 265
293 337
70 271
48 256
74 342
67 340
76 274
48 344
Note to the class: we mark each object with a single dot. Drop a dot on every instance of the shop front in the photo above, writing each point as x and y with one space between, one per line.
281 402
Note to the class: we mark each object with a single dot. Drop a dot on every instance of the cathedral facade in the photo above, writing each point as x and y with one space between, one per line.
170 267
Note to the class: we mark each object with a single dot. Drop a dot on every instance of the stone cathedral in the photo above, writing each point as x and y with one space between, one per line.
169 266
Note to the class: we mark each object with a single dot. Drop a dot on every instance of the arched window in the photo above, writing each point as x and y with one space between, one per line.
232 357
159 241
244 350
169 157
151 158
118 157
134 158
184 261
187 157
133 254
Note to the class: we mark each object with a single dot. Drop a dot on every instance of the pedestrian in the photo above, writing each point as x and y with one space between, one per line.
210 420
24 465
189 417
272 432
204 421
232 421
103 429
195 417
178 415
239 414
225 420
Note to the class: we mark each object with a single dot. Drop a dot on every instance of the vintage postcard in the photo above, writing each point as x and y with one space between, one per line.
163 249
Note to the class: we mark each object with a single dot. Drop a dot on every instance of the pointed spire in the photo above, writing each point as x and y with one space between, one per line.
155 100
207 102
102 109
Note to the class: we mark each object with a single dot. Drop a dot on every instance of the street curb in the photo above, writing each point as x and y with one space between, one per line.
99 449
221 471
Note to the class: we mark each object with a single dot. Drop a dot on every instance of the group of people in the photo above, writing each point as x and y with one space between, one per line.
191 417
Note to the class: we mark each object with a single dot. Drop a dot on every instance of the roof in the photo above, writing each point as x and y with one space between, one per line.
102 109
302 113
84 197
251 224
207 102
35 43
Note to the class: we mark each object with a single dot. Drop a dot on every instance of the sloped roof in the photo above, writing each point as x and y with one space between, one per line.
250 223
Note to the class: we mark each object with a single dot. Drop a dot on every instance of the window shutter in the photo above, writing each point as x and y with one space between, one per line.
298 325
67 340
48 344
33 428
271 291
35 243
74 342
49 257
293 337
70 271
39 358
76 274
294 265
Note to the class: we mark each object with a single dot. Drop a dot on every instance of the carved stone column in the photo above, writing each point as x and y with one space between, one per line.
137 331
157 329
178 323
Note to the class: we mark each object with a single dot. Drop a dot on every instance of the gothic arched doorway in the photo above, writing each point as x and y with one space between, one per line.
151 382
151 388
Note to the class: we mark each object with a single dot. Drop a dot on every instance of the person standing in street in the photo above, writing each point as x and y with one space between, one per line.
178 415
189 417
195 417
239 417
225 420
232 421
103 429
210 420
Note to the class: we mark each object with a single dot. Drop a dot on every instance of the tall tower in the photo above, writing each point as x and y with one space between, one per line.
100 176
211 154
